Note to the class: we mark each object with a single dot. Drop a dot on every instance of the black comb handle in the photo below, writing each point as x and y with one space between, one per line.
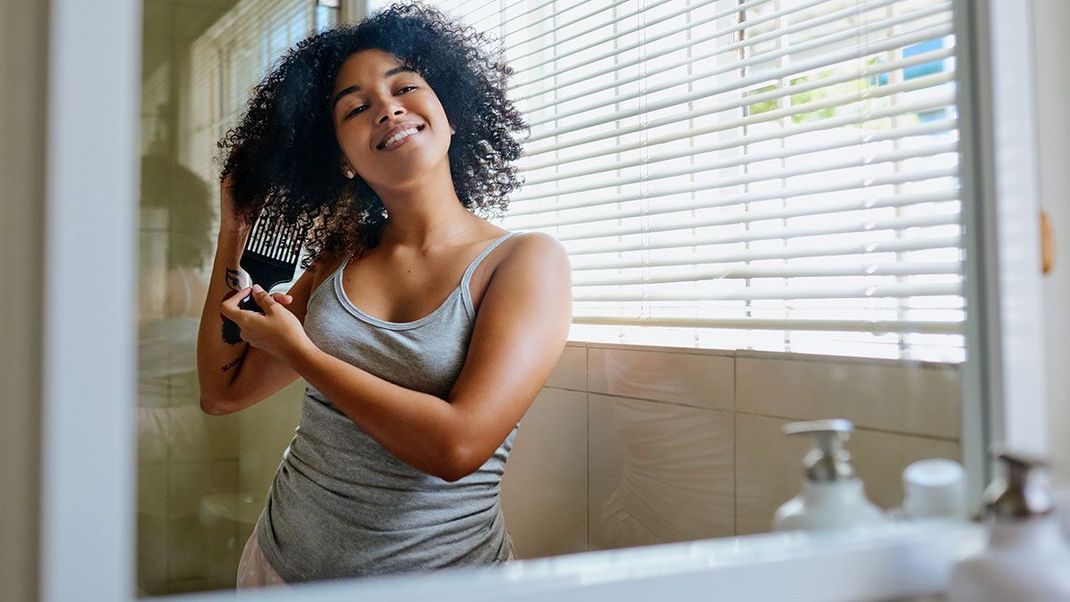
270 257
231 330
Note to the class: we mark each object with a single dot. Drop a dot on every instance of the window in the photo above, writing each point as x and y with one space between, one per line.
229 59
760 174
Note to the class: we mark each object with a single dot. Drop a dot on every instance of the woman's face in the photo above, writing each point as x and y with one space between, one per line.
390 125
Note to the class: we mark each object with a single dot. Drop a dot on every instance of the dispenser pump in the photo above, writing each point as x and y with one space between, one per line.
832 496
828 461
1027 552
1017 492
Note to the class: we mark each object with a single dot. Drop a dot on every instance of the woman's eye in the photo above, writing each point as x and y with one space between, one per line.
361 108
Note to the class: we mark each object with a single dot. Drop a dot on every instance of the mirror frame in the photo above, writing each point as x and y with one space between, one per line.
86 537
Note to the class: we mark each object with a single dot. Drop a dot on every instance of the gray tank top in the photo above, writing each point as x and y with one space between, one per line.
340 504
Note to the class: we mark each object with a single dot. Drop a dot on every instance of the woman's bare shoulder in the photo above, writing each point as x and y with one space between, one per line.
324 265
535 253
533 246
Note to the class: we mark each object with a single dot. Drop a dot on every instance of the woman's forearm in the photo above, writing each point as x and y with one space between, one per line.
217 361
422 430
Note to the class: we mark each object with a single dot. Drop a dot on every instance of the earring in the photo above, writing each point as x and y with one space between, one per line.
453 131
350 174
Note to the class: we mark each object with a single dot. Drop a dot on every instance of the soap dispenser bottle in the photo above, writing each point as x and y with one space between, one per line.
832 496
1028 556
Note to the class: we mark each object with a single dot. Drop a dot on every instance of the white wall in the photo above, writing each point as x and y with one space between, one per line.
1051 21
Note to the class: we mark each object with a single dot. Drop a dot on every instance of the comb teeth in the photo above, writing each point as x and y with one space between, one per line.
274 240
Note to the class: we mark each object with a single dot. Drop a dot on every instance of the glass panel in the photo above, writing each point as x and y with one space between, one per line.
201 478
664 422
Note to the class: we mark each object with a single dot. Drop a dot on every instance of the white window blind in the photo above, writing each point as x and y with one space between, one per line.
759 174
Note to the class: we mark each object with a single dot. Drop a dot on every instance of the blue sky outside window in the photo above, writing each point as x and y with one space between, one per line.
916 71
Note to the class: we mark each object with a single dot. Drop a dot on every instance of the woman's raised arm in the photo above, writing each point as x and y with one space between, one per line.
234 377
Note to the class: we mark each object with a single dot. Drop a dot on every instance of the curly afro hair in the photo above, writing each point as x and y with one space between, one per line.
284 156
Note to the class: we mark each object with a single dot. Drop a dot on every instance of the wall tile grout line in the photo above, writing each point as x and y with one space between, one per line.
735 448
587 397
858 427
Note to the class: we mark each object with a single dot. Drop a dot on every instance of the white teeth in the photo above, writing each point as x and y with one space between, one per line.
398 136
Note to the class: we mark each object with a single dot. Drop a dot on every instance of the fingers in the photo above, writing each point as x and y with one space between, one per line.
229 306
263 299
280 298
230 309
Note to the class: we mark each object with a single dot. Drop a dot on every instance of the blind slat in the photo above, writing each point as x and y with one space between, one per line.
751 99
484 21
757 79
786 292
862 204
842 141
537 8
768 74
783 233
899 110
778 174
521 43
838 185
876 326
779 271
749 42
912 85
631 46
916 243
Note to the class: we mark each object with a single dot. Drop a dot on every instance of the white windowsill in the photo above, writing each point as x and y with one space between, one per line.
888 561
759 353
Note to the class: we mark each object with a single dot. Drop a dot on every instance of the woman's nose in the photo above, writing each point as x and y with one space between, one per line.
391 111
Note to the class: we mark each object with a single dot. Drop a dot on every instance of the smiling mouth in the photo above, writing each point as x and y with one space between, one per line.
392 145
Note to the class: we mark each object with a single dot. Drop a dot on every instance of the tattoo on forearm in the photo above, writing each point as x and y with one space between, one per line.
233 280
236 362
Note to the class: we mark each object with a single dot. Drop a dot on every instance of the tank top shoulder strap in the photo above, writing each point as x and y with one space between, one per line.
329 280
466 292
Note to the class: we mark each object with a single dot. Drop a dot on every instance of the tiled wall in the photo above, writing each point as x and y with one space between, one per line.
202 482
629 446
188 462
200 478
624 446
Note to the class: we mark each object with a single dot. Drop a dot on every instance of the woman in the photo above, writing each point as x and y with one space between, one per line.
423 331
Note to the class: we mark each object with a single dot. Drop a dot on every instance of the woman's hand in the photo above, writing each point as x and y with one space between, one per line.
276 331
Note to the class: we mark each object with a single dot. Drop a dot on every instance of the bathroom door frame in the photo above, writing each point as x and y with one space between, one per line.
88 362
